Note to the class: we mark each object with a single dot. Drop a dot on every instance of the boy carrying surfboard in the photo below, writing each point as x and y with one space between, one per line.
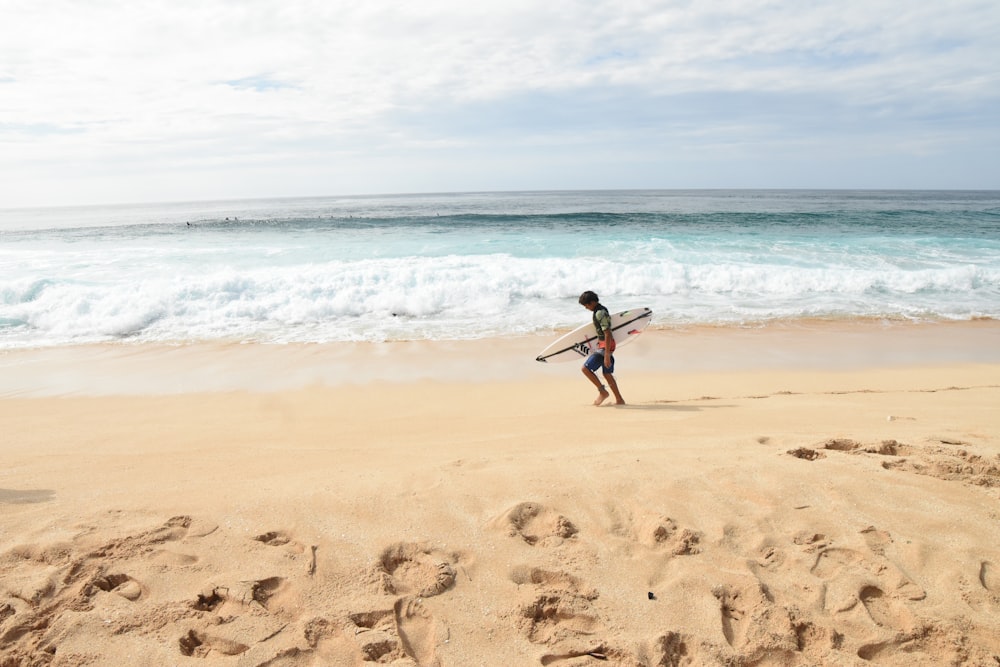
602 357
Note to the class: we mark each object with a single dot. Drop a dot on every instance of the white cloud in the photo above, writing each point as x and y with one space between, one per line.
96 96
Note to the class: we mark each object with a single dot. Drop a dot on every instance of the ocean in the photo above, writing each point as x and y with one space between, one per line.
478 265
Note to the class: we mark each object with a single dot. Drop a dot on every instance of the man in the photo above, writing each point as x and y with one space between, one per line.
601 358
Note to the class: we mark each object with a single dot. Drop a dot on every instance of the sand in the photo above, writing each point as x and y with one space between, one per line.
450 504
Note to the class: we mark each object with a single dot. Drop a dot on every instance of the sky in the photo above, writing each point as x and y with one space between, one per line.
115 101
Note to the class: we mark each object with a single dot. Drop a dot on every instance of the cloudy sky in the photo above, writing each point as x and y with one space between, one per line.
105 101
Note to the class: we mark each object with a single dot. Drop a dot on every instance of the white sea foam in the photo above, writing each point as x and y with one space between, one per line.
333 278
462 297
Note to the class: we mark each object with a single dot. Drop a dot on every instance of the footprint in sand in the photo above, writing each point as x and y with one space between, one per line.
672 650
810 541
279 538
750 619
558 616
230 620
275 538
733 613
120 584
198 644
951 465
317 629
884 448
360 638
839 566
210 599
806 454
846 570
885 612
261 592
654 531
560 611
877 540
815 640
547 579
415 628
408 568
374 633
932 646
984 594
663 533
832 561
538 525
889 448
770 556
989 578
149 544
176 528
597 653
552 584
841 445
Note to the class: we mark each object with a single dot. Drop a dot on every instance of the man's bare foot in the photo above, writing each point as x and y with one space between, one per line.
603 396
620 401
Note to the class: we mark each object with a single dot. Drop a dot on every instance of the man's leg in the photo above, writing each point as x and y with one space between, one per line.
614 388
602 393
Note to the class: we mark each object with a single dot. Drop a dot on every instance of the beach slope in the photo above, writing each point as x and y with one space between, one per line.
787 517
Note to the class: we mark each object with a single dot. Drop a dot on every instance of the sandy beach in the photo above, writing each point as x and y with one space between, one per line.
774 497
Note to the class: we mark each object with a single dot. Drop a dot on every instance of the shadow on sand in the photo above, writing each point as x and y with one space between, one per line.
665 406
25 497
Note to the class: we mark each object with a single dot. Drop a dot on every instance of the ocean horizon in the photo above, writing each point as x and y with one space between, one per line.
456 266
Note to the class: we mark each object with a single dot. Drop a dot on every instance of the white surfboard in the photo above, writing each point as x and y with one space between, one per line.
580 342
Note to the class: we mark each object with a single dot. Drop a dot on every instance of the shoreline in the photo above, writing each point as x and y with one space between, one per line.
153 369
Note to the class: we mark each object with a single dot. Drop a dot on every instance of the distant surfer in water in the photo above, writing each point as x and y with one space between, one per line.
602 358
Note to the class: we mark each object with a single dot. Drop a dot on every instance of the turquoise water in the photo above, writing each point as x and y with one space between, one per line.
454 266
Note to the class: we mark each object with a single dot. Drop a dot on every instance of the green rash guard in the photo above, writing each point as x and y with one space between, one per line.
602 321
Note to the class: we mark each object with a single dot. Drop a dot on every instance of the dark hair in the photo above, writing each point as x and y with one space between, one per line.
588 297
